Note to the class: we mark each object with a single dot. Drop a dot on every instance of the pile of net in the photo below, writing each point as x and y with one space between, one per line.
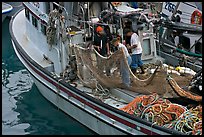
162 112
93 67
153 105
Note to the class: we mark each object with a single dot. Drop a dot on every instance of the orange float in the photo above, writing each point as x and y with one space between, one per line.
116 3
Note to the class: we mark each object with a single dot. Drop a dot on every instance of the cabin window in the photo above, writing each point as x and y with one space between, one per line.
27 14
43 29
75 8
146 48
34 22
185 41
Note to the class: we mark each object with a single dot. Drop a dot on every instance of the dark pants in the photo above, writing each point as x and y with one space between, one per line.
136 61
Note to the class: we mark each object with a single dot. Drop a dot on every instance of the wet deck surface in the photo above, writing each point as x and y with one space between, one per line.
27 45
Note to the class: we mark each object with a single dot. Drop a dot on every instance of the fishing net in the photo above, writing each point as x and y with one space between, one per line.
51 29
182 92
162 112
190 122
93 69
155 109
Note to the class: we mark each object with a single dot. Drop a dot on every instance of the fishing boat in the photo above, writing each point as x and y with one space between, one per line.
188 12
187 51
6 8
53 41
178 19
182 20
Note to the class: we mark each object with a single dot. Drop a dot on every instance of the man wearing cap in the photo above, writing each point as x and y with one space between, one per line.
100 42
124 70
101 45
135 46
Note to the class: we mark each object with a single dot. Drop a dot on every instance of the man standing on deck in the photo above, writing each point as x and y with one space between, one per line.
101 45
124 70
136 48
100 42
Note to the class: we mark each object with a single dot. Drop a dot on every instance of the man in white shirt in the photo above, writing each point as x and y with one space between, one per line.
135 46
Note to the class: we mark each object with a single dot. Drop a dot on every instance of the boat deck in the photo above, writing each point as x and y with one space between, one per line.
27 45
115 97
111 99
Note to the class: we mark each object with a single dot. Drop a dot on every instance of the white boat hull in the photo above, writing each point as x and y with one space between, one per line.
75 112
95 117
69 106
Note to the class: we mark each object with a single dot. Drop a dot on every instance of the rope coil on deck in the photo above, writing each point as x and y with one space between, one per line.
162 112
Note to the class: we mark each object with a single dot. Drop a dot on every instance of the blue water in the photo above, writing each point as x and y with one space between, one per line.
24 109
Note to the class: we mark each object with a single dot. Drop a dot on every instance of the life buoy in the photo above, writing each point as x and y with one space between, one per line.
196 17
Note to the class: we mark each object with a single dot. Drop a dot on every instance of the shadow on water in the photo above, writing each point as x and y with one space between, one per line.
10 60
24 109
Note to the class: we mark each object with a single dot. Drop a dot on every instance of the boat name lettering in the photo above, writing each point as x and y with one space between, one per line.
170 6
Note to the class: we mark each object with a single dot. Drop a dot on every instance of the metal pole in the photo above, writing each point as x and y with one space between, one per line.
84 21
88 17
121 29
